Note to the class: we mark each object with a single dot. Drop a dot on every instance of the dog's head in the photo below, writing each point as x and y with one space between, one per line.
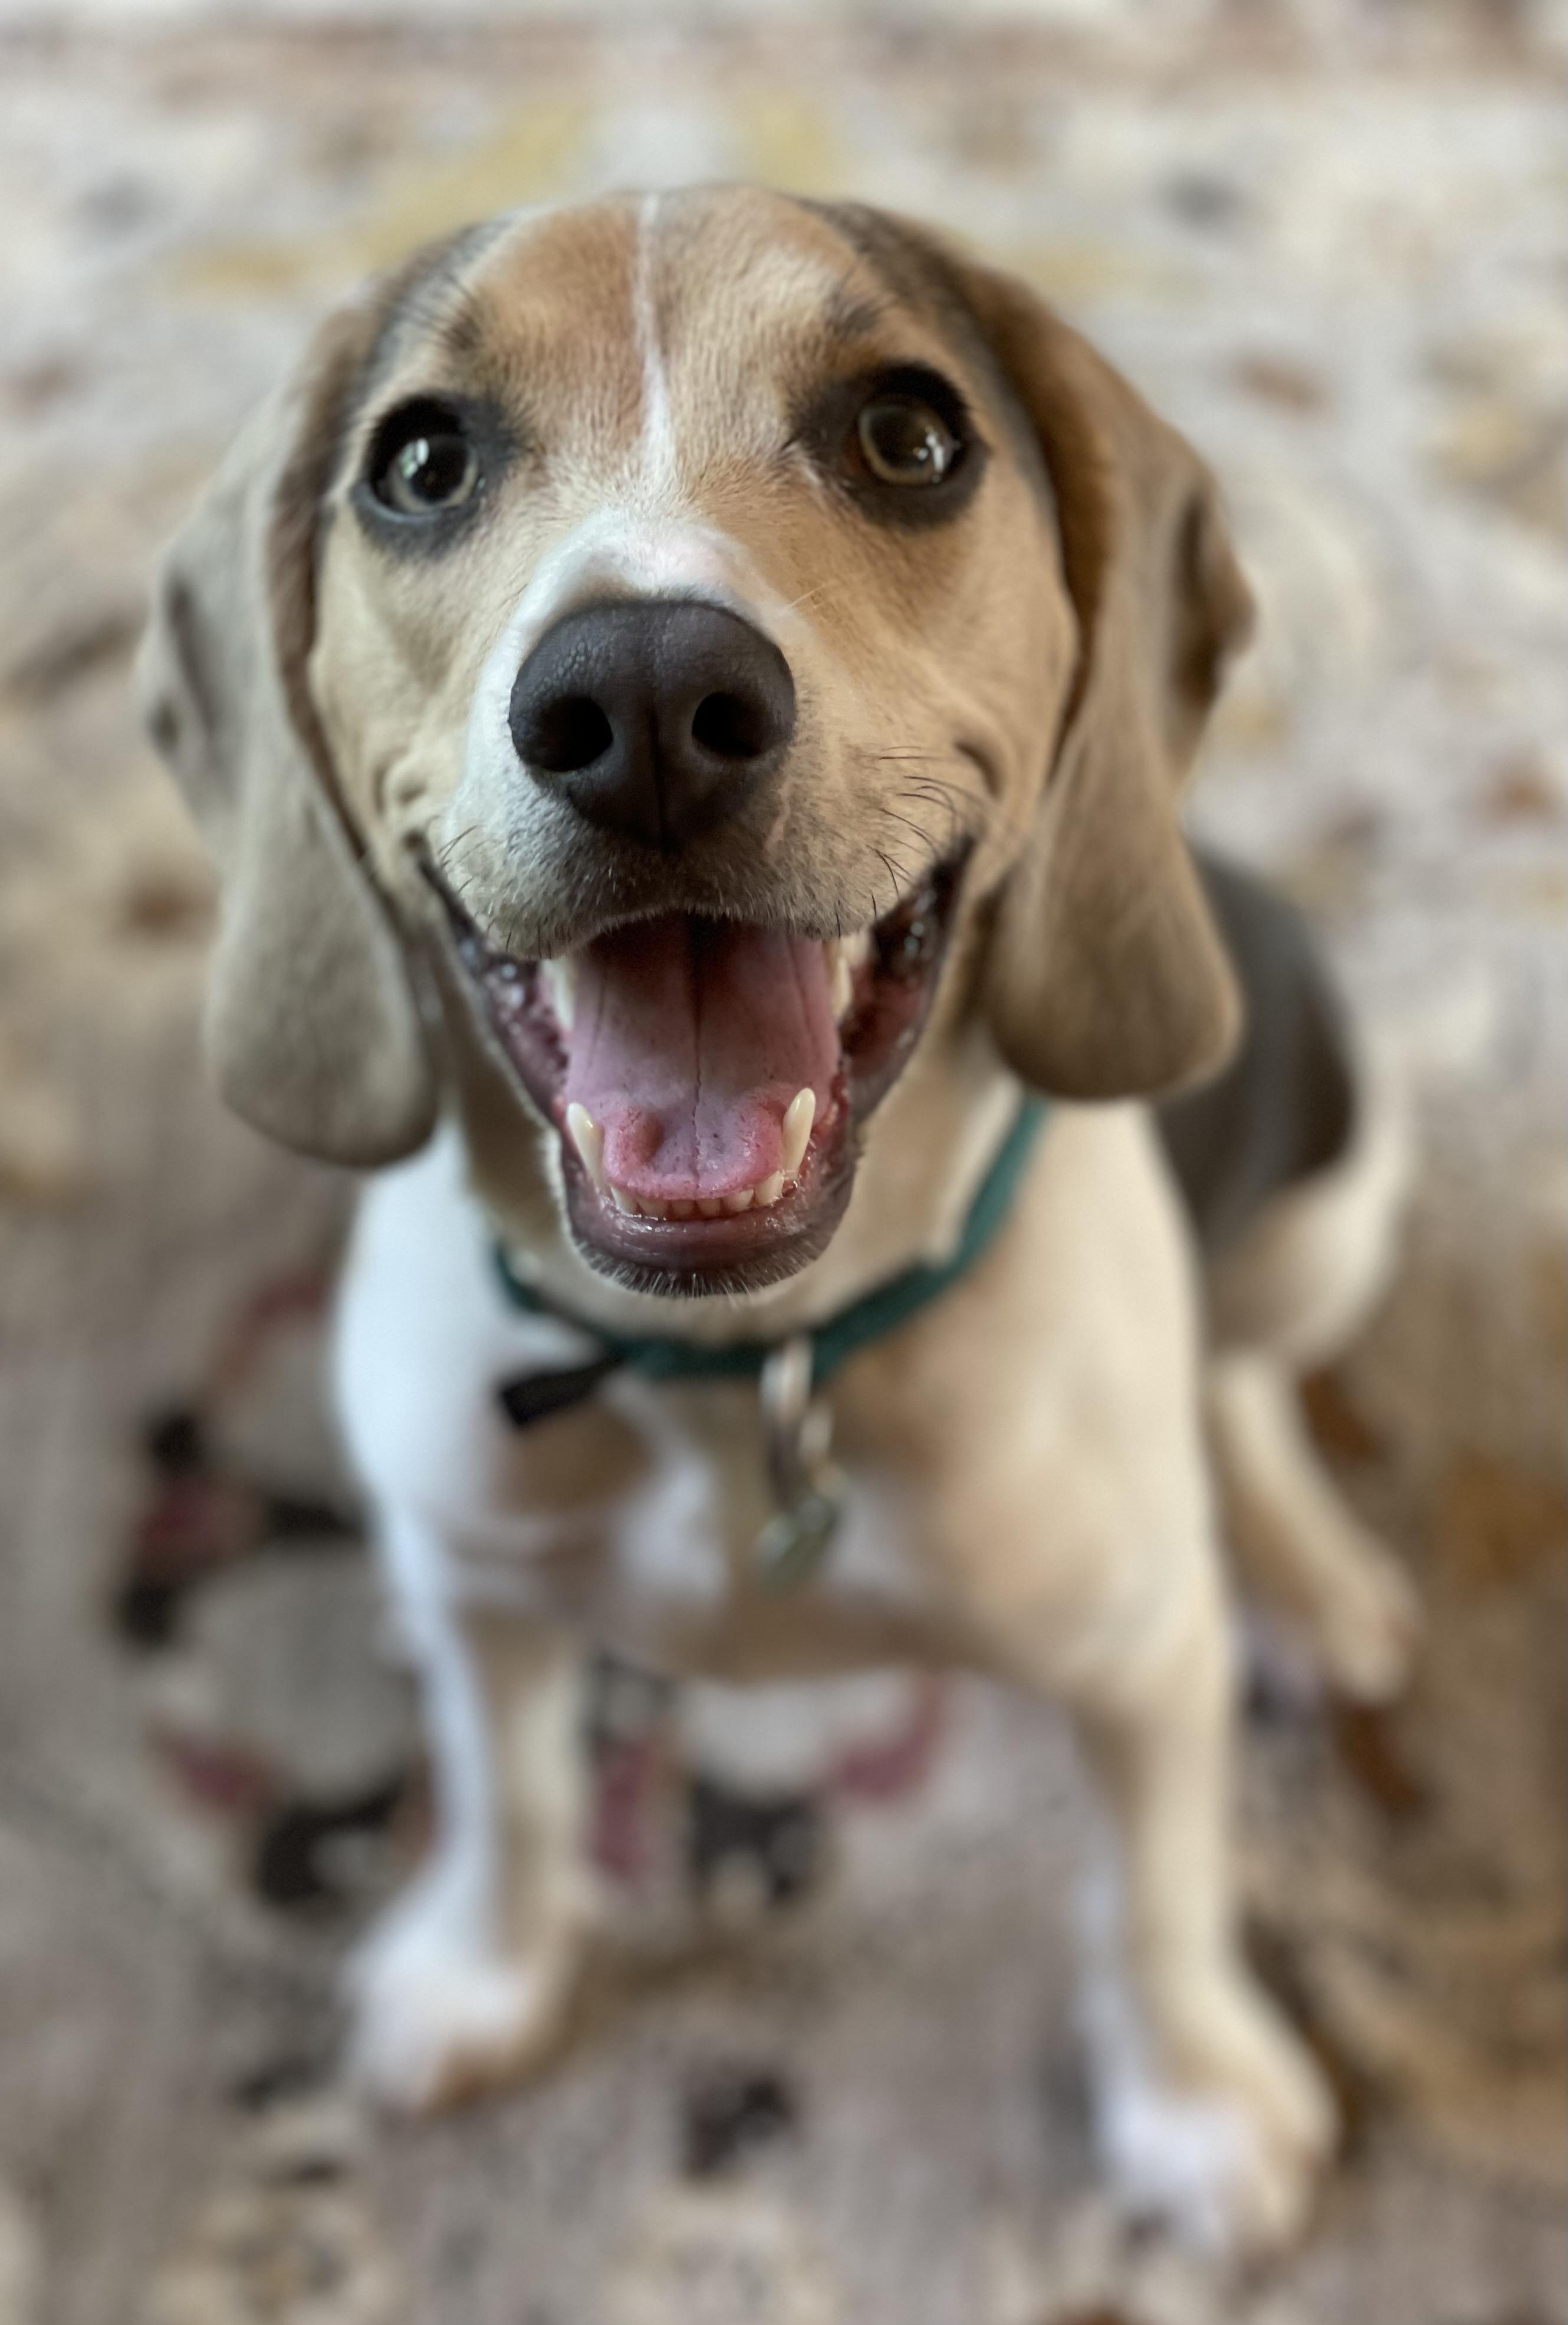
681 634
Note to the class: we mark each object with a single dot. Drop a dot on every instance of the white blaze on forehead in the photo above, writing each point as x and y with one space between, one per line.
658 423
645 539
779 288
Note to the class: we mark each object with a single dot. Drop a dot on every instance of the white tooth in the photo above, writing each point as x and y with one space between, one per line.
622 1201
709 1206
560 982
769 1192
588 1139
798 1118
682 1210
651 1208
842 978
857 950
741 1201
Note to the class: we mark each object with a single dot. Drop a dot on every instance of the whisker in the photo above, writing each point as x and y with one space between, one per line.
908 823
454 847
895 872
954 823
805 598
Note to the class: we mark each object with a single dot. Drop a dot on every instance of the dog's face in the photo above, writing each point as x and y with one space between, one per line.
690 610
693 624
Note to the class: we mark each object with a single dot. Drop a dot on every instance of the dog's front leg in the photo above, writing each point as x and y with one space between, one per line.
1207 2111
466 1980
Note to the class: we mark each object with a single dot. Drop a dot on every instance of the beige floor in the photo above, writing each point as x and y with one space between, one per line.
1329 243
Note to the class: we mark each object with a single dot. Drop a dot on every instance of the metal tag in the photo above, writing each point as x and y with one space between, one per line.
806 1486
792 1546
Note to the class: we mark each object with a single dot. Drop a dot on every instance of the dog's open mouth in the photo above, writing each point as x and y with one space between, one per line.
706 1076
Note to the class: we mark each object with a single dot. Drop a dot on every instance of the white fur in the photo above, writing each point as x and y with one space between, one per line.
1120 1611
1219 2153
1172 2155
433 1975
659 440
441 1989
425 1337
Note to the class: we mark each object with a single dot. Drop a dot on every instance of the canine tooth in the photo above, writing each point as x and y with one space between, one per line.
560 983
843 977
799 1115
622 1201
857 950
769 1192
588 1139
709 1206
741 1201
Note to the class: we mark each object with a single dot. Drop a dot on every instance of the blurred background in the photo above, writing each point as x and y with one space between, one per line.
1328 238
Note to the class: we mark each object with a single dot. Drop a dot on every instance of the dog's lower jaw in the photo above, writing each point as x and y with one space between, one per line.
766 1248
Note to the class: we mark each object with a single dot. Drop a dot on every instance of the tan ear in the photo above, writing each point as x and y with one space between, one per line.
312 1028
1105 974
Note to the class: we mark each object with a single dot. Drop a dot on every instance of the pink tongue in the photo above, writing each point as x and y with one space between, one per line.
688 1040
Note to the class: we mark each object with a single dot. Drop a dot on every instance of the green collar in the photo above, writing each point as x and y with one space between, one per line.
879 1311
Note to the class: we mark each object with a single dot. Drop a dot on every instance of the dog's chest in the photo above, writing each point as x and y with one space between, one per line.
636 1515
676 1547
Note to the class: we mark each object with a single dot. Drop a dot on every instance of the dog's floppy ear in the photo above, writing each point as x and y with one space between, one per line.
312 1027
1105 976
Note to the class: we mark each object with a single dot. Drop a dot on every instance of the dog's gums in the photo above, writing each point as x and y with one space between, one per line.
706 1077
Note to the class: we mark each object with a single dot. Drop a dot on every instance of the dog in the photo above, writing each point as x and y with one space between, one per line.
690 697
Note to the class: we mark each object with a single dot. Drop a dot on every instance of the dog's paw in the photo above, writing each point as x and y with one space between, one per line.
1222 2130
438 2015
1369 1626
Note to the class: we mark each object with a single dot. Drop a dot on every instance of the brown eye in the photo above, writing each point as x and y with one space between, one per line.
425 464
903 441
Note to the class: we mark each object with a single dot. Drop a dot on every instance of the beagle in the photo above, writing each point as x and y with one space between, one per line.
689 698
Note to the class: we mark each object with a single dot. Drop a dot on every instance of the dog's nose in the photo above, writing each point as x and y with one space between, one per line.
656 718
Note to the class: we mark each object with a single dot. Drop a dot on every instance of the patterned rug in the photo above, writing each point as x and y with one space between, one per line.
825 2073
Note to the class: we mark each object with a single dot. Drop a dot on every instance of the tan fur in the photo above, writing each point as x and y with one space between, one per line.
1105 976
311 1028
1038 673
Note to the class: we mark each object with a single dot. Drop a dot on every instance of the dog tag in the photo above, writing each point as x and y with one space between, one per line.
792 1546
806 1486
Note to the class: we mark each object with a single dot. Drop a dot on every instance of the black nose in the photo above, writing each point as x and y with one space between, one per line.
656 718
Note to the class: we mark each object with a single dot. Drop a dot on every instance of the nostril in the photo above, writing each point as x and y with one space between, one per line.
567 734
656 718
732 728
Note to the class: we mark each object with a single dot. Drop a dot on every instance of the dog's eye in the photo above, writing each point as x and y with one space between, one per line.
423 462
903 441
